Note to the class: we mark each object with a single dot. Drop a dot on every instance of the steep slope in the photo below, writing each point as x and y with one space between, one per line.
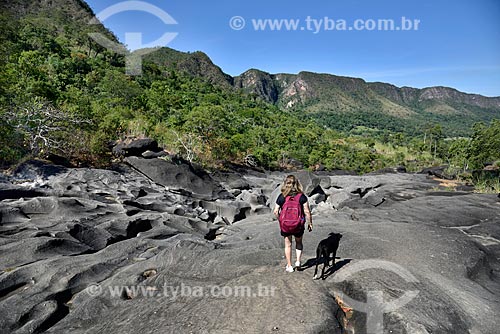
259 83
344 102
334 101
196 64
445 95
325 92
76 9
64 18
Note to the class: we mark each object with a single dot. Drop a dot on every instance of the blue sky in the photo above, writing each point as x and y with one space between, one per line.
457 43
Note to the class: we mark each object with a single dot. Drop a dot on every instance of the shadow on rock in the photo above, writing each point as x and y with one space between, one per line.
33 169
335 267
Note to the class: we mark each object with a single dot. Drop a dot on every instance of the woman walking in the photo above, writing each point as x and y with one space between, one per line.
292 210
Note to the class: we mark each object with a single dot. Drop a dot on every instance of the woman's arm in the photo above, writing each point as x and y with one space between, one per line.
276 210
307 212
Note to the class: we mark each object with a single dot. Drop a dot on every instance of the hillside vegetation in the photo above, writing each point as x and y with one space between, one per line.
62 93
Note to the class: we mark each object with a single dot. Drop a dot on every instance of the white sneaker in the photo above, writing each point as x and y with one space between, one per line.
297 264
289 269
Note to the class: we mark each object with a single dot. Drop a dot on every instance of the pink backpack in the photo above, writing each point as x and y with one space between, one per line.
291 215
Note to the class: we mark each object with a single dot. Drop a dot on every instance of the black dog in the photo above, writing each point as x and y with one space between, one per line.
325 248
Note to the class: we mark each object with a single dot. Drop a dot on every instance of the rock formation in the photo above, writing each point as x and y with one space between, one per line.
154 246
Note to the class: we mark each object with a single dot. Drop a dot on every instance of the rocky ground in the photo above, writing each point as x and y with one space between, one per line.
71 239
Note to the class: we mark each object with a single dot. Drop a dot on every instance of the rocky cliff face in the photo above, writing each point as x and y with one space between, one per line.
298 92
403 95
325 97
327 88
409 96
260 83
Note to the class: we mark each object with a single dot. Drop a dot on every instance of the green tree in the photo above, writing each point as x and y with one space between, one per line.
43 127
485 144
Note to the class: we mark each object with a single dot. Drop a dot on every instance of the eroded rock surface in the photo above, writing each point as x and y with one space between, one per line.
72 239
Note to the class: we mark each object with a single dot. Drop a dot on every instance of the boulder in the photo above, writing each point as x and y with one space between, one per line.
386 170
309 182
231 181
135 147
151 154
325 182
273 197
294 164
438 171
337 199
256 200
32 170
228 211
318 198
59 160
80 234
181 178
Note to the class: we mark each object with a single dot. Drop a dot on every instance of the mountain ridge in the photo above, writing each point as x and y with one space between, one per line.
343 102
337 102
268 85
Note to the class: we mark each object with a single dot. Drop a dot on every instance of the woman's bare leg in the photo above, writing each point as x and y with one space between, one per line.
288 250
298 248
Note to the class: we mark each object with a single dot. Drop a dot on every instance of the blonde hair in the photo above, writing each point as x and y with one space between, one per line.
291 186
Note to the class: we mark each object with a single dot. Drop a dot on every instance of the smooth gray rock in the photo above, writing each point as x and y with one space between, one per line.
151 154
231 181
337 198
229 211
182 178
136 147
309 182
82 235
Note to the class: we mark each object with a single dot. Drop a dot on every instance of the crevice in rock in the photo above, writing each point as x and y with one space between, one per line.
18 193
153 206
362 192
134 204
86 235
317 190
62 310
133 229
125 295
141 193
241 215
87 252
380 203
138 226
23 319
42 234
51 244
446 193
13 231
132 212
483 273
8 291
211 234
163 236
